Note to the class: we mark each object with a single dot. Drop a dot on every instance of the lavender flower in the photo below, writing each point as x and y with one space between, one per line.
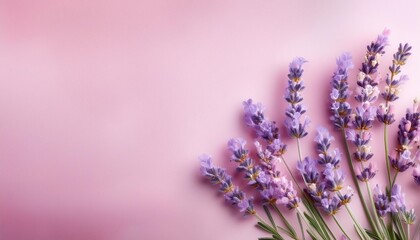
397 203
346 198
334 179
232 193
323 142
265 177
309 171
340 108
294 124
330 205
237 147
254 117
381 201
403 162
366 173
409 216
288 195
385 113
408 129
366 94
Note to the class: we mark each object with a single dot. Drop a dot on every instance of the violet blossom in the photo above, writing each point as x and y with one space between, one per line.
340 108
232 193
393 82
366 94
381 201
295 123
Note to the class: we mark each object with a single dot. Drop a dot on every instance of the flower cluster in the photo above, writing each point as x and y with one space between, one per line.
294 124
232 193
324 189
324 184
395 204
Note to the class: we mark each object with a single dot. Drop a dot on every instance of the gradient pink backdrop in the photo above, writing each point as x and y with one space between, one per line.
105 105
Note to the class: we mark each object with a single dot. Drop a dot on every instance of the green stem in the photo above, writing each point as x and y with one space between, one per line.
356 222
341 228
291 174
393 181
299 152
388 168
408 230
375 214
387 232
356 183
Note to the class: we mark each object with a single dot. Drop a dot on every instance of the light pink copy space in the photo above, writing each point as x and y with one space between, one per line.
105 106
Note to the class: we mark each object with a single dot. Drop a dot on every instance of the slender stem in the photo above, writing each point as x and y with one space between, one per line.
304 220
408 230
322 224
375 214
356 183
363 232
291 174
341 228
262 220
416 230
386 231
300 225
393 181
388 168
299 152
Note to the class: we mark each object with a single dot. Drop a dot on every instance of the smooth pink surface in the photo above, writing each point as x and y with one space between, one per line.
105 106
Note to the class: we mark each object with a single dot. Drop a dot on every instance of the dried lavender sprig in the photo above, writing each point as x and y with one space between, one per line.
232 193
295 126
340 108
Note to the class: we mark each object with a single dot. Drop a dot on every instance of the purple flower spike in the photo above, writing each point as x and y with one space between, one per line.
408 129
381 201
288 195
393 82
409 216
233 194
403 162
334 179
237 147
309 170
367 173
253 113
340 108
254 117
295 123
330 205
397 199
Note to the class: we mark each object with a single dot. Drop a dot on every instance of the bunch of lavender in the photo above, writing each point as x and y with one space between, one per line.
322 176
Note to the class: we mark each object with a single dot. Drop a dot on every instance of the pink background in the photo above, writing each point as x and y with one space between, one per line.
105 106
